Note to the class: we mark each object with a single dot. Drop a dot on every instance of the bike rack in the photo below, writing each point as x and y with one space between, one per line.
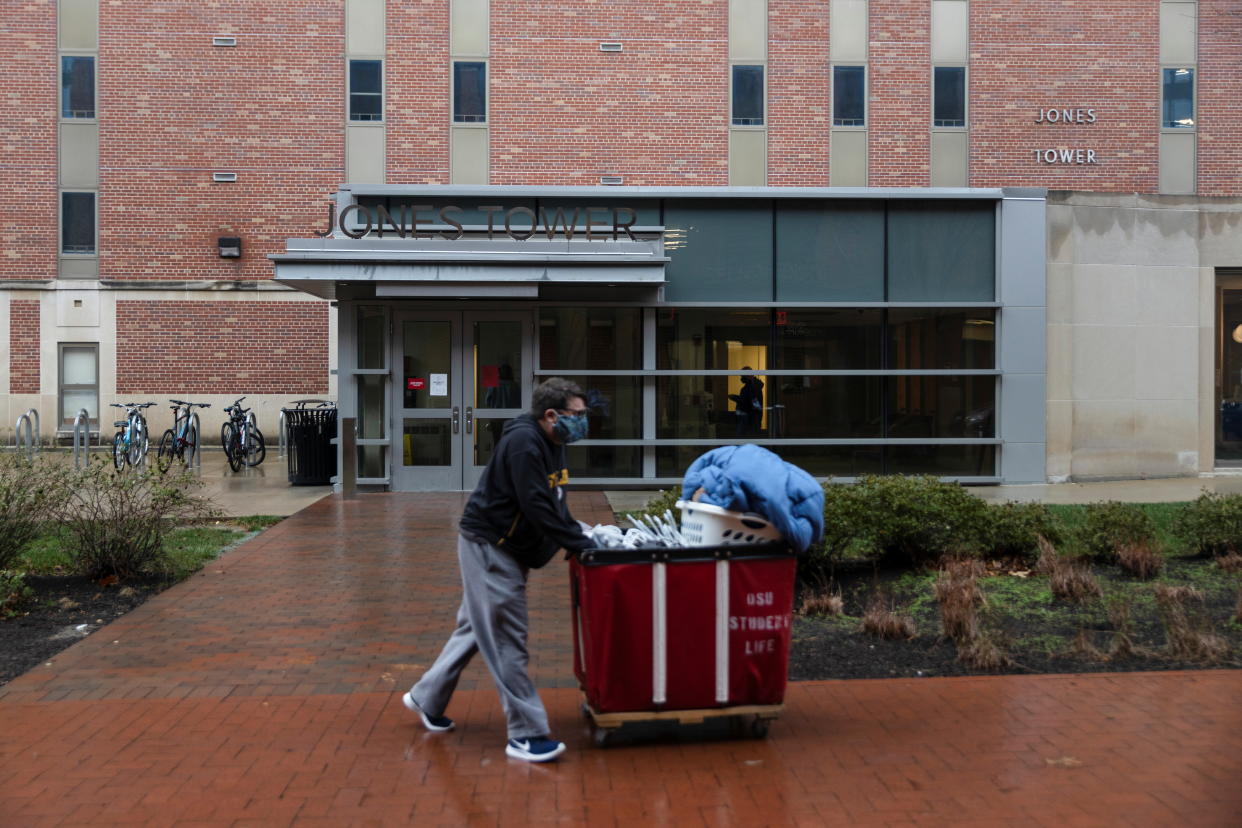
282 439
82 438
34 437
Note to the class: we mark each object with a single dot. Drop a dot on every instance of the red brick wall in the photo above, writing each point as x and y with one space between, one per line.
1061 54
798 93
28 117
221 347
173 109
563 112
1220 97
417 109
899 94
24 333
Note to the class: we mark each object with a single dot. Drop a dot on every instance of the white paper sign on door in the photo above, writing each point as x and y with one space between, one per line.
439 385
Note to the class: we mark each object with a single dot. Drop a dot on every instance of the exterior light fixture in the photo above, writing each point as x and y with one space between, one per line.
611 180
1237 334
224 177
224 40
230 247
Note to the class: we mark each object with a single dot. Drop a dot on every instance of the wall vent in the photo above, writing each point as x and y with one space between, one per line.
224 178
611 180
610 47
224 40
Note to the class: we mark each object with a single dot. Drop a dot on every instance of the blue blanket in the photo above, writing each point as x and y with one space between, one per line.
750 478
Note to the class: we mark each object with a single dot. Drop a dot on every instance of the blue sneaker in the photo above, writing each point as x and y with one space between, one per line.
436 724
534 750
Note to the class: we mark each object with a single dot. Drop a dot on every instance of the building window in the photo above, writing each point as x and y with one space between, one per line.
849 96
469 92
77 223
1179 98
748 96
77 87
949 96
79 381
366 90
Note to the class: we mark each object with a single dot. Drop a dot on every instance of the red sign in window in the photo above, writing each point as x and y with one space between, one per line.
415 383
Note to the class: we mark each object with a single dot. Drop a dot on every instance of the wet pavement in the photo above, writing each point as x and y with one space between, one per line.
265 690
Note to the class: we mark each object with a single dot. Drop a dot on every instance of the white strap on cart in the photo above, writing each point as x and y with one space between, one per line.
722 632
659 633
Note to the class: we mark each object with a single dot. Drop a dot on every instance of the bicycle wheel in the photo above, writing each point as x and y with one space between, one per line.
167 449
189 448
233 451
120 453
137 440
226 438
256 449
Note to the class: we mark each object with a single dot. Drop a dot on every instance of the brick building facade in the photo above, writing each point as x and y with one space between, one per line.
141 138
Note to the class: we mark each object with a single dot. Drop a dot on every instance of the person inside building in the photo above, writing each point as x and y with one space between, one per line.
749 404
515 521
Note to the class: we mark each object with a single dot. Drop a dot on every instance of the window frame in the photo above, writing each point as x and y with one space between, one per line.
1194 100
464 120
350 93
60 244
965 120
762 120
62 386
832 87
94 87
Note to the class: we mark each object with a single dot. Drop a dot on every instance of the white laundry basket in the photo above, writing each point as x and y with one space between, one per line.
703 524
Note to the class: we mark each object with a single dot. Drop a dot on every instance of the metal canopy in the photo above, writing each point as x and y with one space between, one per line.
471 268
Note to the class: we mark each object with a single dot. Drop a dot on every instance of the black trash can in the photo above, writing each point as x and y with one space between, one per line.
309 433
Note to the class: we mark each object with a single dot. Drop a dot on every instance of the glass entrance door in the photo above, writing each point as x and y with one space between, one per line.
461 377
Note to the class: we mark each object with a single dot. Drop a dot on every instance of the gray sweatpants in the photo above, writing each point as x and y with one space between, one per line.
491 621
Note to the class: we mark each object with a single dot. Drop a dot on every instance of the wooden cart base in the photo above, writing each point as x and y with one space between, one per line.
606 723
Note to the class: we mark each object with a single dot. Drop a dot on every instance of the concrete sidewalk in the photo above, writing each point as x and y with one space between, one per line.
266 691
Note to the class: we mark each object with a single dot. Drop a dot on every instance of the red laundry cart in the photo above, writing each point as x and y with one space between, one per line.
682 633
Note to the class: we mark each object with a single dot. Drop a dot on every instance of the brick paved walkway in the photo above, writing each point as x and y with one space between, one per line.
265 691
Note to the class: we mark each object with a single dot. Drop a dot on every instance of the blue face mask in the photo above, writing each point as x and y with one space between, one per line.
570 429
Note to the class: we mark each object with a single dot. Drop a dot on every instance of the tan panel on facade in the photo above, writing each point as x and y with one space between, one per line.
1177 163
365 150
848 31
950 32
1178 33
748 157
469 25
79 268
748 31
364 27
78 21
948 159
847 158
79 156
469 160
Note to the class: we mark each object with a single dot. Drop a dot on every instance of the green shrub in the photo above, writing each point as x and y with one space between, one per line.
1109 525
912 519
665 501
13 593
1212 524
1013 529
29 493
117 522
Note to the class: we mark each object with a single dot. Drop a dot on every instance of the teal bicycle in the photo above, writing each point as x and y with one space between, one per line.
181 441
131 441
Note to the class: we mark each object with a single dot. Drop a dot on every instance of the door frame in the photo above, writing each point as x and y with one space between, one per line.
462 413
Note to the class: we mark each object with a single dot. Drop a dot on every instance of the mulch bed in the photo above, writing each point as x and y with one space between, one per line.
65 609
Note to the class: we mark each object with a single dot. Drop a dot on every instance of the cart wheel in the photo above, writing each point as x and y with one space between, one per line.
585 711
759 728
602 737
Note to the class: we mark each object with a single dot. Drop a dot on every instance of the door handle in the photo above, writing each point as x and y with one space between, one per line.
469 419
456 419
